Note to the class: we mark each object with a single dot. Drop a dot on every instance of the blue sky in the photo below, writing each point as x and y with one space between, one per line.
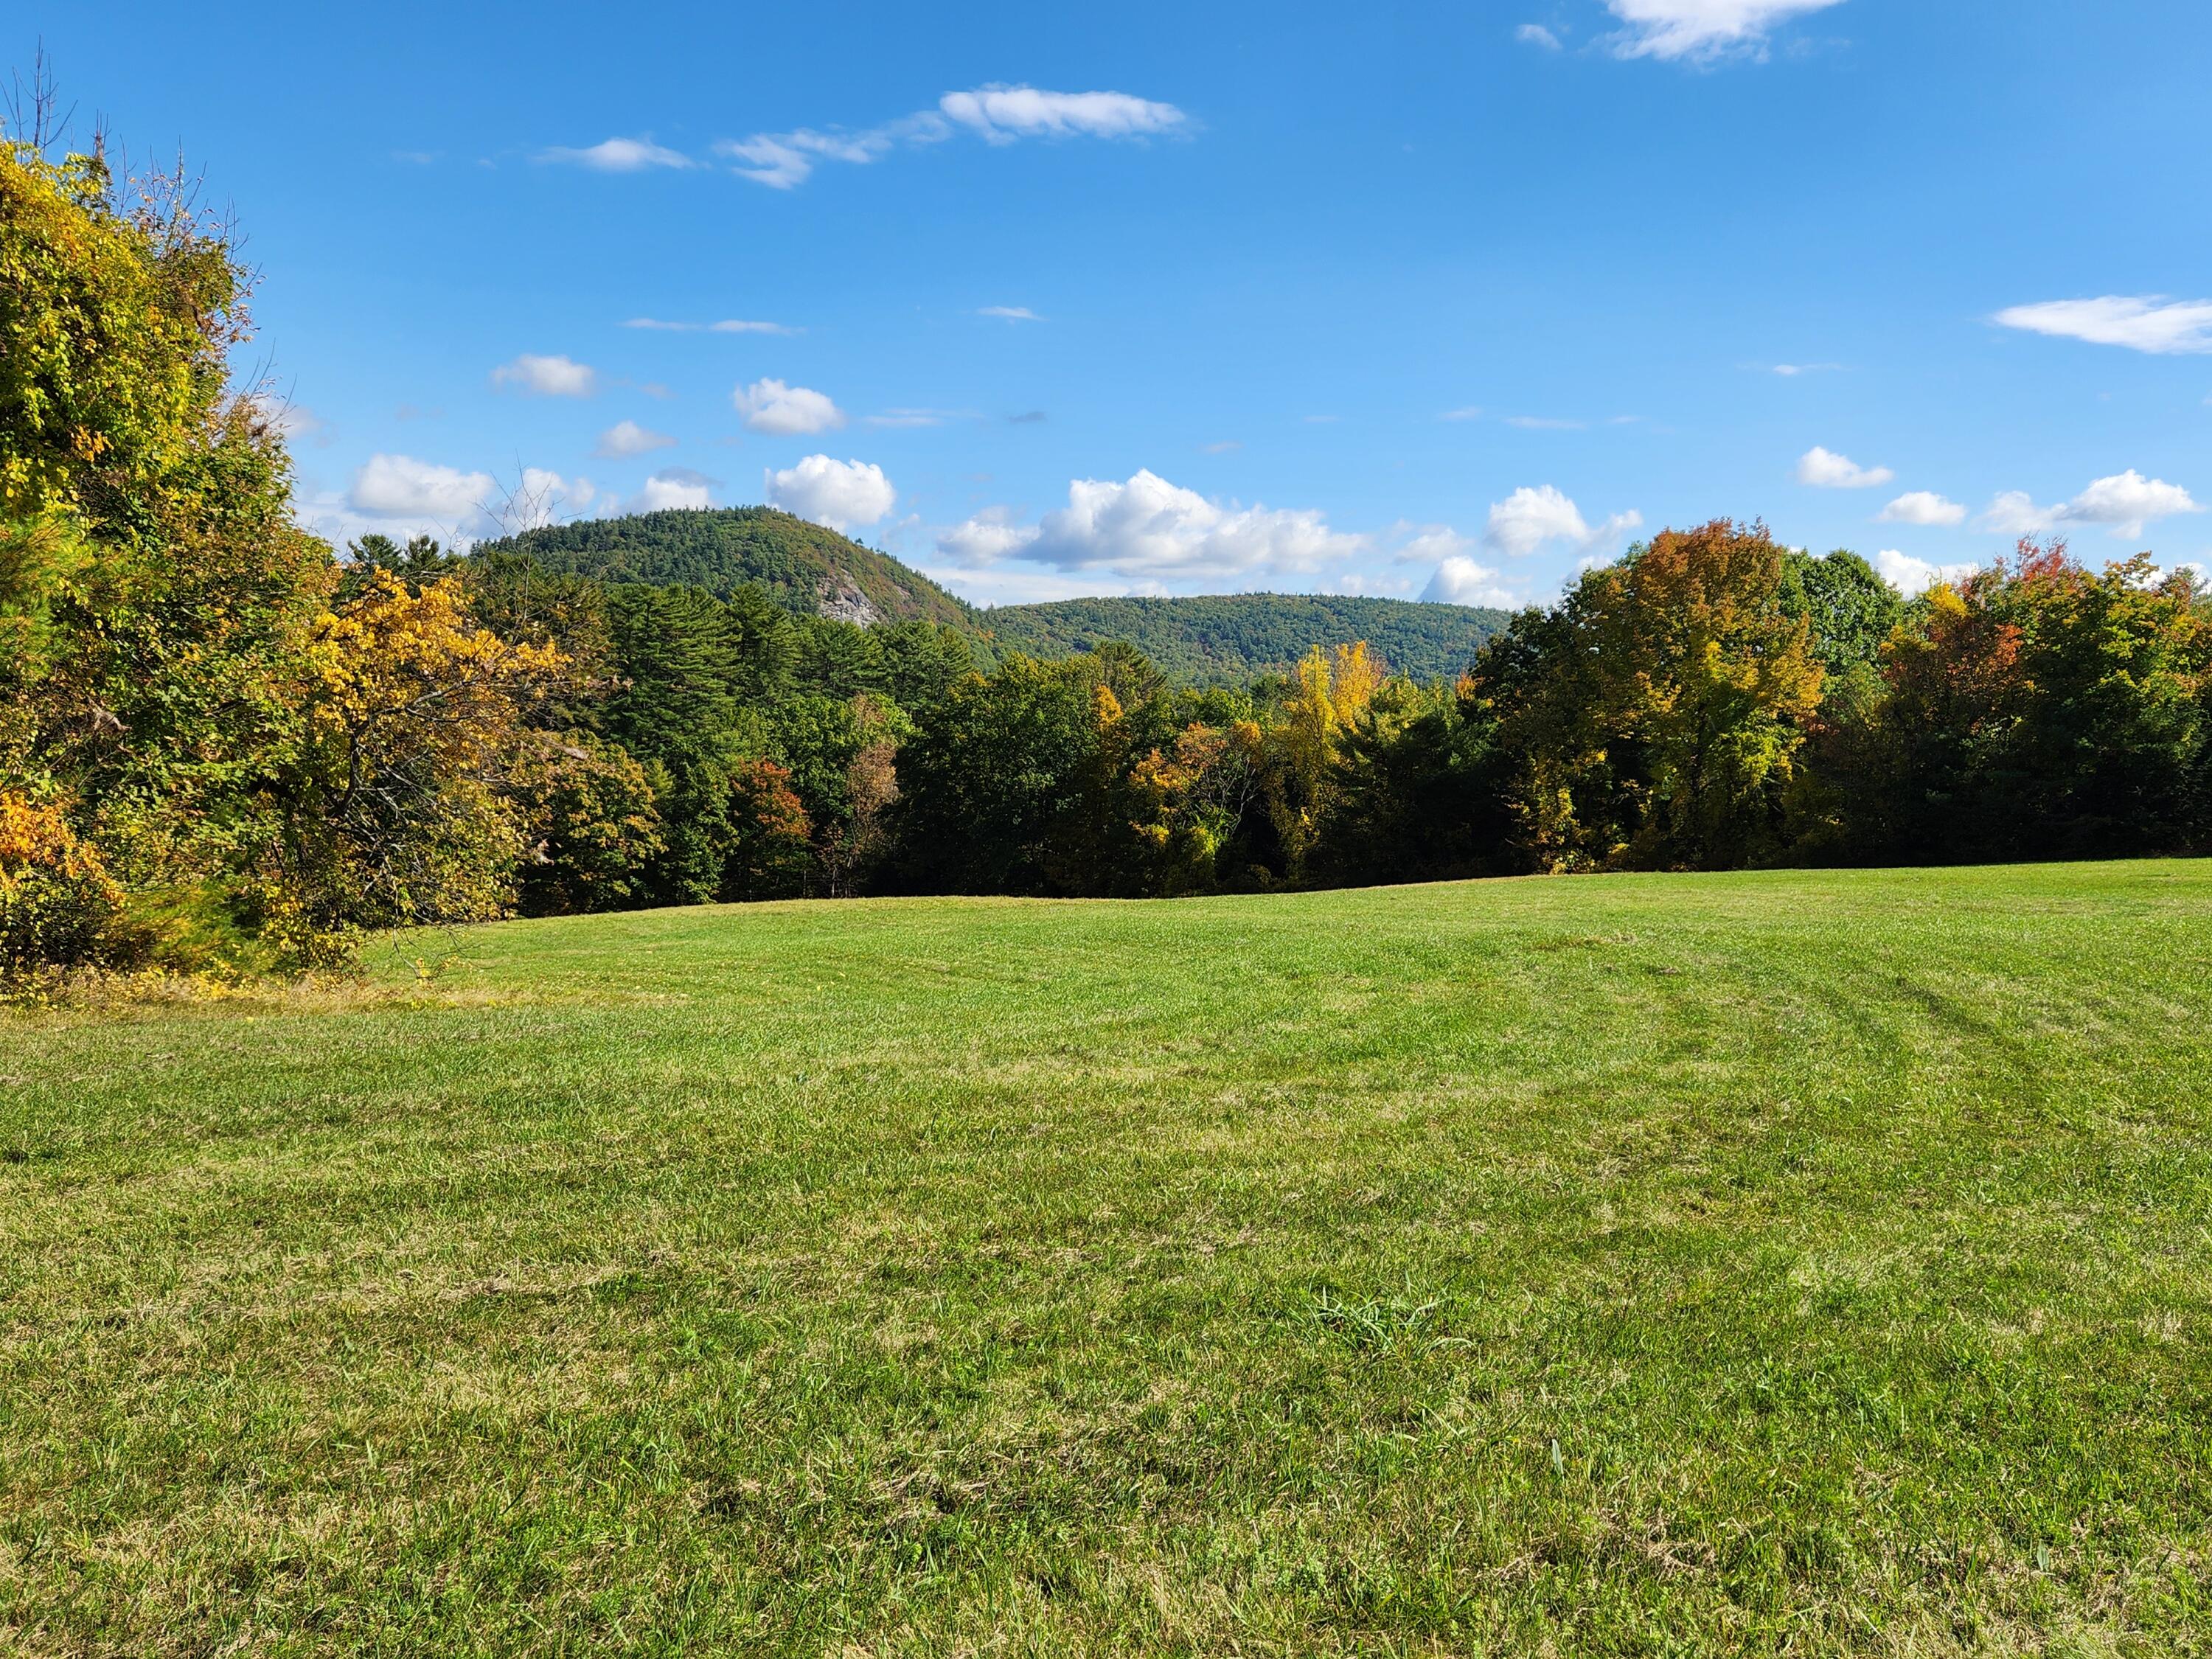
1400 299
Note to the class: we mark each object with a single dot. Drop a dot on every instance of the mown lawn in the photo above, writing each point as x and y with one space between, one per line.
1765 1263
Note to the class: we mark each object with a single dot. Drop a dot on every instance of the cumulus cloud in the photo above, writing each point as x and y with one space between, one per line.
1002 114
998 114
990 536
618 156
1530 520
1535 35
727 325
771 406
1011 314
1826 469
547 377
2127 501
401 487
843 494
2150 322
628 438
1148 528
1921 506
1460 580
1703 31
673 487
1913 577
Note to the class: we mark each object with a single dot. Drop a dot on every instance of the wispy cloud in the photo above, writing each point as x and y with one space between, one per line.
1703 31
917 417
618 156
997 115
727 325
1544 424
2150 323
1009 313
1535 35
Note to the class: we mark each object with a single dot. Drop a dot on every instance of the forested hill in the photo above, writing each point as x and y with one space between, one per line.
810 569
1226 639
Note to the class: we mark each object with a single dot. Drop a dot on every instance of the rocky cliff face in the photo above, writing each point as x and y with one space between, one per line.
839 601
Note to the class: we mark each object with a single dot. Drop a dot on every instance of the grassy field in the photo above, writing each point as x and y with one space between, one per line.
1793 1263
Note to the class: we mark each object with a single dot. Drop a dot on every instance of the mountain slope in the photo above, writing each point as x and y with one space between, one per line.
1227 638
811 570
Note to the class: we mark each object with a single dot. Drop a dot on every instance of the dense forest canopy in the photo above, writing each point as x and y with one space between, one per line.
226 748
1229 639
809 568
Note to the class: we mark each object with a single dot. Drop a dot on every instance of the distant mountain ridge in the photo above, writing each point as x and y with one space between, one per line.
811 570
1229 638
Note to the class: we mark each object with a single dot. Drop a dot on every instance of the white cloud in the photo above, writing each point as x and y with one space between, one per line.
673 487
1530 519
290 421
1461 580
1921 506
986 538
1826 469
1535 35
843 494
1149 529
771 406
781 159
1011 314
727 325
2126 500
1913 577
543 497
618 156
1226 447
401 487
1002 114
1789 371
626 438
1544 424
1427 544
998 114
2150 323
1468 413
1703 31
547 377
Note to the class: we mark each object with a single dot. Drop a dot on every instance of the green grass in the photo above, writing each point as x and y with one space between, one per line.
1765 1263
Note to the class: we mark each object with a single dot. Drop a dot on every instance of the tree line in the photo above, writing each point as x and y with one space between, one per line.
226 748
